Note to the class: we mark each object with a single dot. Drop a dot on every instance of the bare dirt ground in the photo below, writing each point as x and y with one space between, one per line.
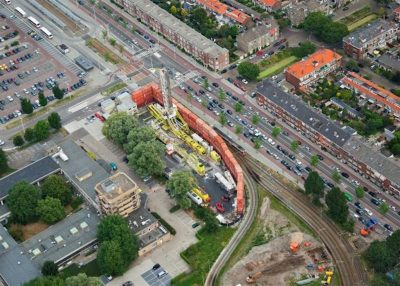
273 262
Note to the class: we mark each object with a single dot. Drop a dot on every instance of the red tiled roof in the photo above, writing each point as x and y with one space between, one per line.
397 10
269 3
313 62
214 5
238 16
383 98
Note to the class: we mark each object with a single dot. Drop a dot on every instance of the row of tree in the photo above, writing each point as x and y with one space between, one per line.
26 104
27 202
145 153
78 280
40 131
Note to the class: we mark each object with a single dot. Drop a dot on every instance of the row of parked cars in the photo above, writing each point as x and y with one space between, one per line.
9 36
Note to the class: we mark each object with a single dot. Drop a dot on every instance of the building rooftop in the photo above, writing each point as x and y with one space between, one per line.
269 3
378 162
214 5
141 218
389 61
343 105
174 24
116 185
313 63
15 267
238 16
295 106
359 37
372 90
256 32
82 170
31 173
64 238
84 63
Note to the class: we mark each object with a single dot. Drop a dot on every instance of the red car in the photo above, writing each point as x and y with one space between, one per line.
100 117
225 198
219 207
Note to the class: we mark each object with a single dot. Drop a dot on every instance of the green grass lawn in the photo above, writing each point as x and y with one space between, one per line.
277 67
201 256
91 269
361 22
357 15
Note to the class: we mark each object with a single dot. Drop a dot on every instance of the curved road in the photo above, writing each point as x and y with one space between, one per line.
346 259
242 230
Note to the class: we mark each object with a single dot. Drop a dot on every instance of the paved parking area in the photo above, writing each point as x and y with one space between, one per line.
29 66
151 277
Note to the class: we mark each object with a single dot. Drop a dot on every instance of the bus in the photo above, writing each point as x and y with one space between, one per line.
46 32
20 11
34 22
348 196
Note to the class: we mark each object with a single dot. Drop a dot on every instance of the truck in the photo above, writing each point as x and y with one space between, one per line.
223 182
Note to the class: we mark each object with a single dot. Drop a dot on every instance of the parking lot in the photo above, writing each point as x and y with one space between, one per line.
30 64
152 277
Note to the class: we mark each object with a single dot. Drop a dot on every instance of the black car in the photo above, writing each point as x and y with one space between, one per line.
232 66
247 135
344 174
215 84
215 101
229 111
358 204
235 98
360 212
308 169
224 71
202 91
220 105
156 266
373 194
125 159
230 80
128 283
330 185
375 202
388 227
320 157
291 156
210 108
152 41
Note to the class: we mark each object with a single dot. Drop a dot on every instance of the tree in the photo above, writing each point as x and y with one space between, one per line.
82 279
221 94
304 49
324 28
29 134
3 162
41 130
249 70
257 143
337 205
314 186
205 83
57 92
378 256
238 107
360 192
47 281
276 131
137 135
222 118
147 158
255 119
22 201
383 208
49 268
54 120
55 187
352 66
238 129
180 183
42 99
110 258
173 10
117 127
50 210
26 106
393 244
336 176
314 160
18 140
294 145
116 228
112 42
208 217
104 34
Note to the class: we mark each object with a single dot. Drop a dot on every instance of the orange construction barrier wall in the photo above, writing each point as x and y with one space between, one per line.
152 92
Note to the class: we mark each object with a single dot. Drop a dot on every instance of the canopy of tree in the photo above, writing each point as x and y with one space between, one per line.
248 70
117 127
180 183
50 210
337 205
55 186
304 49
78 280
3 162
22 201
147 158
314 186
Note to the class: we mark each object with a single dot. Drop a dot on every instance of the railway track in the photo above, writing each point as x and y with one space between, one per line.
249 216
346 260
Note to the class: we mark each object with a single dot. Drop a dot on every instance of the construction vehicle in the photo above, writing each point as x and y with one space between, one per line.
204 196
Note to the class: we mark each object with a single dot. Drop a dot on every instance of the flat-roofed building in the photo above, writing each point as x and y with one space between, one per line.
118 194
256 38
316 66
372 36
194 43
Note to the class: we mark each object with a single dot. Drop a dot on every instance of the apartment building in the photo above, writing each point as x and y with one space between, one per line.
256 38
118 194
297 11
365 40
192 42
269 5
373 93
316 66
339 141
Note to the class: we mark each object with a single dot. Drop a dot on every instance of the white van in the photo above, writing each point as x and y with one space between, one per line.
162 274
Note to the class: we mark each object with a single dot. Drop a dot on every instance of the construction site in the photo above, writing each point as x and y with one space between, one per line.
192 144
286 257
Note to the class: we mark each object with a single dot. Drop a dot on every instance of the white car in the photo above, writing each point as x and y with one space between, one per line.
272 142
368 212
356 215
245 81
10 99
18 113
1 142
